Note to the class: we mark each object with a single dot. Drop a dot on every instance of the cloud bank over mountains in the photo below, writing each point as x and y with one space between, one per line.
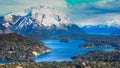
95 12
81 12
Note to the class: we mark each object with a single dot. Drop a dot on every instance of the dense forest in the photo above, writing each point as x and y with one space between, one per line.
97 40
16 47
73 64
99 55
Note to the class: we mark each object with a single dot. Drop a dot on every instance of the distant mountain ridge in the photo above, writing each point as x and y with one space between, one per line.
112 28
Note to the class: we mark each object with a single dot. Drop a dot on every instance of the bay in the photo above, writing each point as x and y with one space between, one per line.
63 51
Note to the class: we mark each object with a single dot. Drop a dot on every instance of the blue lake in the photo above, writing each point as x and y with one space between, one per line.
63 51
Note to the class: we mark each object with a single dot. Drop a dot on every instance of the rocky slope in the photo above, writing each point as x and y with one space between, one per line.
6 22
16 47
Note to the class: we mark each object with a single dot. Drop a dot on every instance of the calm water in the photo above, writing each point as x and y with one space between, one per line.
63 51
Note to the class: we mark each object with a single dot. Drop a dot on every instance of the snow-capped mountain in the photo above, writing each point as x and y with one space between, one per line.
42 16
42 21
109 28
6 21
113 23
4 29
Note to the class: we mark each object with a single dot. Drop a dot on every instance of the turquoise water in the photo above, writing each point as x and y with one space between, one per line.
63 51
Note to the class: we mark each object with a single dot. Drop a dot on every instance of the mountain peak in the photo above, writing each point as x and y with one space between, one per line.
42 21
115 23
47 16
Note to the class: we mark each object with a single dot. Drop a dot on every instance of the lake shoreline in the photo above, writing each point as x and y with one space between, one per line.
63 51
67 49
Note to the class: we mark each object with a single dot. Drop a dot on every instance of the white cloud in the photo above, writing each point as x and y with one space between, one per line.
20 5
98 19
95 12
82 14
108 4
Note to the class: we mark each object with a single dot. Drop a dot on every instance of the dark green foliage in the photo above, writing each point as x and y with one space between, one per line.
63 65
17 47
99 55
99 40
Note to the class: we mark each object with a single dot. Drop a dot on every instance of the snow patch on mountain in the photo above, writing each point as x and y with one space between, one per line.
7 25
115 23
8 18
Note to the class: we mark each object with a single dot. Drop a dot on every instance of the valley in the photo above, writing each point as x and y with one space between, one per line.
45 37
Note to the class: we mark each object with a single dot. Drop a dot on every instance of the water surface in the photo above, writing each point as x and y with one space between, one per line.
63 51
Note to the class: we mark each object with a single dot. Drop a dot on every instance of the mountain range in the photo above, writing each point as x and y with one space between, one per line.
43 22
112 28
39 22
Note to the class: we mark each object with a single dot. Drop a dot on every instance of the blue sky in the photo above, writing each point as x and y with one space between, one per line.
81 12
74 2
